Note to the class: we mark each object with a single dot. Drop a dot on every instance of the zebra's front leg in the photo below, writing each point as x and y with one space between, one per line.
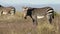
25 17
34 19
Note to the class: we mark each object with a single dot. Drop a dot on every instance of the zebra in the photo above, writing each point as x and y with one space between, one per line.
7 10
36 13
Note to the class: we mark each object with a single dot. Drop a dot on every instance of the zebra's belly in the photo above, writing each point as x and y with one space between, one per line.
40 17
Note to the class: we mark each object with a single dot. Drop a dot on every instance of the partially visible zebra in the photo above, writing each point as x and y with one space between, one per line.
7 10
36 13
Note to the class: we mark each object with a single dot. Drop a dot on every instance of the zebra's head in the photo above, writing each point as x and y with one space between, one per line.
27 11
24 9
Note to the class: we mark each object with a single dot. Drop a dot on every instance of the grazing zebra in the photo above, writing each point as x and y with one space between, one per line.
7 10
37 13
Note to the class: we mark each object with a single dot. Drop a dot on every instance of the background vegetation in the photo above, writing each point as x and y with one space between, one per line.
16 24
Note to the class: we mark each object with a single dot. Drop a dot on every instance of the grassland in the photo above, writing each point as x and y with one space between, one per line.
16 24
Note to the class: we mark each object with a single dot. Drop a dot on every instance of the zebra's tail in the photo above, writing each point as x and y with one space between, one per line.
53 14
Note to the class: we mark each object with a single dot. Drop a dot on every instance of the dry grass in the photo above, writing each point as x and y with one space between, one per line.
16 24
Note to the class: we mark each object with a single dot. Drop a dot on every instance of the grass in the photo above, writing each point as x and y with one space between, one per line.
16 24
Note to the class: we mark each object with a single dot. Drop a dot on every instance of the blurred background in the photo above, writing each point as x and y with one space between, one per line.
18 4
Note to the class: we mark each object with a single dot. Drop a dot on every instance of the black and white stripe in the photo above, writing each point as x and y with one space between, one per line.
50 12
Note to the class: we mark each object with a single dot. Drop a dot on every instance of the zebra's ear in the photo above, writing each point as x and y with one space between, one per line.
25 8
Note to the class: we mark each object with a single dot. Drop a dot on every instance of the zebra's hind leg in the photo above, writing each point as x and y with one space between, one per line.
50 20
14 11
49 17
